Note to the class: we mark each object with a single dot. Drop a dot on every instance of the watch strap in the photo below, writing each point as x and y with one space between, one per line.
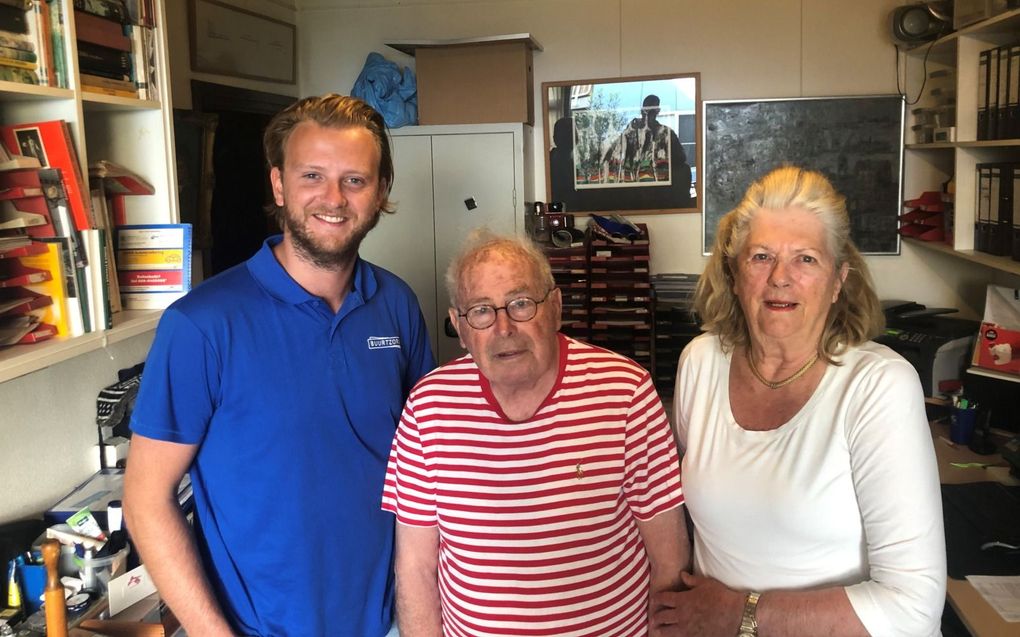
749 620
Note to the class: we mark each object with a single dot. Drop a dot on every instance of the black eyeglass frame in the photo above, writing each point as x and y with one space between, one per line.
505 308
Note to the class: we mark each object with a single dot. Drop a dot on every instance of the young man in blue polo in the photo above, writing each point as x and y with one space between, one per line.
277 385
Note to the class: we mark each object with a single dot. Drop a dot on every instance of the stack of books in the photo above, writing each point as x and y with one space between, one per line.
116 47
31 42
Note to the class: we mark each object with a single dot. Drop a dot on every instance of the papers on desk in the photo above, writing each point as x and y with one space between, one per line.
1003 593
130 588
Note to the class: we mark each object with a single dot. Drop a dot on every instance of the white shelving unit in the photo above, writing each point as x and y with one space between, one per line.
23 359
131 132
926 166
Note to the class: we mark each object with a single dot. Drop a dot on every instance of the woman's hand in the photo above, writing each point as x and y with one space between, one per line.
704 608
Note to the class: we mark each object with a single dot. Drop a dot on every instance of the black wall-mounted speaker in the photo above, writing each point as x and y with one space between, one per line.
922 22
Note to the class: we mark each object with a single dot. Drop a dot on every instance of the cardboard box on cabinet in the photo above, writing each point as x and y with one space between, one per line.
474 81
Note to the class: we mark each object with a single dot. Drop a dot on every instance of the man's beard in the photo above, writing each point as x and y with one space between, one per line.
326 257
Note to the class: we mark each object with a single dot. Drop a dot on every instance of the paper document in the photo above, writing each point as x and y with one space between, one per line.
129 588
1003 593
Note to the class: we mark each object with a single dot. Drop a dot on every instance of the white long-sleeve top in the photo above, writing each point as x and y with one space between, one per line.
846 493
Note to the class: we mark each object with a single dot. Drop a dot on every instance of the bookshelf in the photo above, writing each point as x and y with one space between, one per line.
136 133
928 165
23 359
1003 264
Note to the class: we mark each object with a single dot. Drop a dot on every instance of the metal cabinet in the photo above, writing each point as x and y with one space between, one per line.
449 180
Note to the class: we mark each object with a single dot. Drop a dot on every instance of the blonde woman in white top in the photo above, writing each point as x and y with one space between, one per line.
808 468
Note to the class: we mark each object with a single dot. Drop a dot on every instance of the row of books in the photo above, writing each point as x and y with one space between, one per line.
999 93
997 222
116 47
32 42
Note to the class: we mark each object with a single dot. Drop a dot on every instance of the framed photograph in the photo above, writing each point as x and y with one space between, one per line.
227 40
626 144
854 141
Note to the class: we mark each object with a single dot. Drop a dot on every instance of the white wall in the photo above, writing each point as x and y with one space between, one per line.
742 48
48 427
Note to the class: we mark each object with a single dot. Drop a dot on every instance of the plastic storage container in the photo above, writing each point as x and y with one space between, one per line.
97 572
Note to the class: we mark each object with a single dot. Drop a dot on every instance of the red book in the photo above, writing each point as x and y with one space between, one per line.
50 143
119 210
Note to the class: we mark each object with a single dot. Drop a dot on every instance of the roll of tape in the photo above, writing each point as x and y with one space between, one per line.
561 238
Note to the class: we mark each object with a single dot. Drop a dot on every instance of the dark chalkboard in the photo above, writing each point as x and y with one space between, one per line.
854 141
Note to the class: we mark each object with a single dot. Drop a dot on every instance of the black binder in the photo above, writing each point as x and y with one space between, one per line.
993 230
1002 102
984 61
983 207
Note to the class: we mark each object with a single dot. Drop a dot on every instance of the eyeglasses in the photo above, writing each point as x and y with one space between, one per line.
519 310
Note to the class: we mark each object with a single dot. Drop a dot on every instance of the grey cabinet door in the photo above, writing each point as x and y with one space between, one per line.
404 242
473 177
445 186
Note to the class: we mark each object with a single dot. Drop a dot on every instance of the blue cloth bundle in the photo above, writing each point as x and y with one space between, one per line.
389 90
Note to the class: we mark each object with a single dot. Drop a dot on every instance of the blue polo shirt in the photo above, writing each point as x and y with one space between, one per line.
294 409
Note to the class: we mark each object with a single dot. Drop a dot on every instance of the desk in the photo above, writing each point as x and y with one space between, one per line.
977 615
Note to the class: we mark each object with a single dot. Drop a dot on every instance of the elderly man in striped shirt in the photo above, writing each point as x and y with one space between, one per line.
535 481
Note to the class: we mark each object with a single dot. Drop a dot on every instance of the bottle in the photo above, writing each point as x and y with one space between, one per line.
114 516
13 588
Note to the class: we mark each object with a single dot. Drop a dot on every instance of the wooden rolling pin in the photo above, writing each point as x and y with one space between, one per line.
56 611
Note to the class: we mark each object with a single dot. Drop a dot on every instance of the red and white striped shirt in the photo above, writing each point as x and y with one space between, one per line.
538 519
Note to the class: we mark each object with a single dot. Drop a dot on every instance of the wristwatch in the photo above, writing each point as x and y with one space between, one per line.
748 622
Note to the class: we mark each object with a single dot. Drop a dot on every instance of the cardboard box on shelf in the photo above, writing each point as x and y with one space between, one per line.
474 80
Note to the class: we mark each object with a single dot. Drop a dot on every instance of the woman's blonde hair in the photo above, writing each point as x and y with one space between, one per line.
855 317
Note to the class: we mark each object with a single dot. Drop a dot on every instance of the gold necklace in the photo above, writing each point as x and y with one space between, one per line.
779 383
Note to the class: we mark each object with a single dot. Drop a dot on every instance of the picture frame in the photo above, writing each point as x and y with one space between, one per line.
228 40
30 144
855 141
627 144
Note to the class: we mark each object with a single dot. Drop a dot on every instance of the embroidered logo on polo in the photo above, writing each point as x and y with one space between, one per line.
383 342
